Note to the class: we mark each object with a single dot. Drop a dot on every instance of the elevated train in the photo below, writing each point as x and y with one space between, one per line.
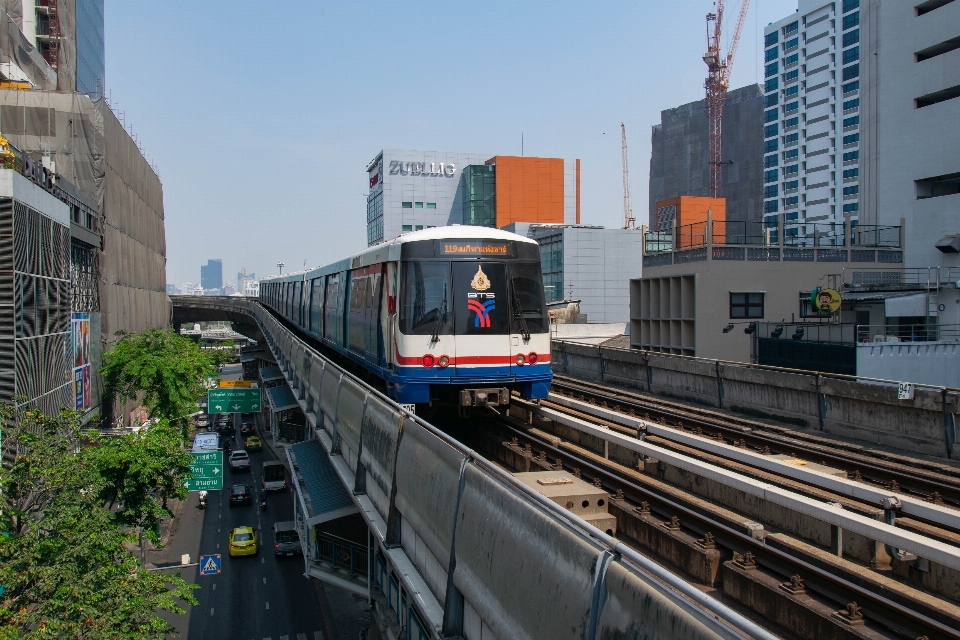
449 313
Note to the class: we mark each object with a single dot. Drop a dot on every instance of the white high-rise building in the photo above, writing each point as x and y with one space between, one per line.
811 120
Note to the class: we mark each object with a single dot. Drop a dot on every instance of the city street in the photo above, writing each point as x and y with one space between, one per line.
259 596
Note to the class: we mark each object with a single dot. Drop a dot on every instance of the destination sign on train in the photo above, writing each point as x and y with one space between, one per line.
449 248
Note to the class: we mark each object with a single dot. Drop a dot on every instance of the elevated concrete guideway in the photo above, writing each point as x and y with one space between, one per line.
188 310
458 546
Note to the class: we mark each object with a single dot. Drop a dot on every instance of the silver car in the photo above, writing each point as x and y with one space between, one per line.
239 461
286 539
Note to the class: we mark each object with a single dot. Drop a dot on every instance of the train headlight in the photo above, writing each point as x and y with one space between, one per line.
444 361
428 361
532 358
520 358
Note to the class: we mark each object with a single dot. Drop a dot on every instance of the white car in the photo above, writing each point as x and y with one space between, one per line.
203 422
239 461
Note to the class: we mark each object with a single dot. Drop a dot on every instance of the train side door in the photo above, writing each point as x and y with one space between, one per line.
482 318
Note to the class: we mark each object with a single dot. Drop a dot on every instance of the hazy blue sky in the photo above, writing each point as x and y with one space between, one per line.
261 116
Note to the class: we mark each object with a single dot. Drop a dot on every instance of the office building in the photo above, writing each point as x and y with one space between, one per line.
589 264
412 190
211 274
243 278
811 122
678 159
172 289
909 108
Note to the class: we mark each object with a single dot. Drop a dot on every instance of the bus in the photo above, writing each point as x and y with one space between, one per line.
274 476
206 442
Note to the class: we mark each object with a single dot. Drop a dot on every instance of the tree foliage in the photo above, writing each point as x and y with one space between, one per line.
169 371
65 562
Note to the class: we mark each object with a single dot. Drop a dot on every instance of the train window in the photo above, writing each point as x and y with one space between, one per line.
482 302
426 297
316 304
332 302
526 290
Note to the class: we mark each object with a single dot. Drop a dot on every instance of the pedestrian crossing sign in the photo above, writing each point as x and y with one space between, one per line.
209 565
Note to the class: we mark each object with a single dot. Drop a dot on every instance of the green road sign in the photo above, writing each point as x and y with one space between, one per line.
233 400
207 468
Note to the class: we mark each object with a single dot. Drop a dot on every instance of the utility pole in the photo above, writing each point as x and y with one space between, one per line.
281 266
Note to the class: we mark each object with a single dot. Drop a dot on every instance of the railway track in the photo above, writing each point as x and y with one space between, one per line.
934 483
889 611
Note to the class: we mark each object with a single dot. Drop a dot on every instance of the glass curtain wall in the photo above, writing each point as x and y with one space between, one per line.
480 195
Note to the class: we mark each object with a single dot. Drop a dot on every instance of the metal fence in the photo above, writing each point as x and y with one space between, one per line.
795 234
929 332
342 553
931 277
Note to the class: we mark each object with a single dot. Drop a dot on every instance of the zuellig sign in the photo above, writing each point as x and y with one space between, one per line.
421 169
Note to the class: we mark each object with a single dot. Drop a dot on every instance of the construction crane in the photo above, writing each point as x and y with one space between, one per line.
628 219
717 83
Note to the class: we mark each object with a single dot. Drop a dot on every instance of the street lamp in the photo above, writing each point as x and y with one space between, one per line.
281 266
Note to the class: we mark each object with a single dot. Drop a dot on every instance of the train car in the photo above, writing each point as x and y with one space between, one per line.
445 314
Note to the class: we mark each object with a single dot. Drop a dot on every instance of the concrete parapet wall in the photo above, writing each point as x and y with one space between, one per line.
848 408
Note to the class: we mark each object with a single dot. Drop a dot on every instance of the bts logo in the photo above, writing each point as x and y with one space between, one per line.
482 309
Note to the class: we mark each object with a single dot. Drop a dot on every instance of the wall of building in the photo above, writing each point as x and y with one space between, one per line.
678 160
544 190
934 363
913 143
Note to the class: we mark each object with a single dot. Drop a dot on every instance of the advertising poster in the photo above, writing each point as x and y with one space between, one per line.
80 330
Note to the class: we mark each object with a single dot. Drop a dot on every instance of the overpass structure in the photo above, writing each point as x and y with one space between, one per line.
457 547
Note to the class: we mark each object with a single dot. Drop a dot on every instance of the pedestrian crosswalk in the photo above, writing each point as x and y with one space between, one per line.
300 636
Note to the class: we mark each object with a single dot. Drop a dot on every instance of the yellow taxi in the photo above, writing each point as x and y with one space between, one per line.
243 542
252 444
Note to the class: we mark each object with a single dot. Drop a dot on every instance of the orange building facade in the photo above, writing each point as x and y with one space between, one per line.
689 215
536 190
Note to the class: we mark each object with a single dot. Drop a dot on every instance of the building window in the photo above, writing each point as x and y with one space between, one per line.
791 28
853 71
771 39
852 121
419 227
851 86
770 206
792 200
790 76
770 54
406 227
406 205
431 205
851 207
746 305
771 99
850 21
789 186
770 191
850 5
790 155
790 107
851 37
793 137
851 156
770 130
770 145
851 173
790 122
791 91
770 115
853 138
790 44
851 104
851 55
770 161
771 70
770 176
791 170
945 185
791 60
418 205
771 85
851 191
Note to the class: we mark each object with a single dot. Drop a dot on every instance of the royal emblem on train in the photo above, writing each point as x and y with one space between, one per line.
480 281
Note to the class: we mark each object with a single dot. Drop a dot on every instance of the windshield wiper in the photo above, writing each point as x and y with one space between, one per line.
441 316
518 312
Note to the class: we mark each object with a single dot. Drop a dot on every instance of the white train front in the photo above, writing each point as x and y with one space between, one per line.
451 313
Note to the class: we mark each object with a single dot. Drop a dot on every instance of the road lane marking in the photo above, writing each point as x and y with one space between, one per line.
211 610
214 586
264 581
263 561
268 605
317 635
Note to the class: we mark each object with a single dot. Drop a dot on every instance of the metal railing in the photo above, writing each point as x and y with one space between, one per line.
929 277
929 332
341 553
795 235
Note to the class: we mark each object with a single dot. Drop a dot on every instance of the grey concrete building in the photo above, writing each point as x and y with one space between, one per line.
910 107
591 264
678 161
211 274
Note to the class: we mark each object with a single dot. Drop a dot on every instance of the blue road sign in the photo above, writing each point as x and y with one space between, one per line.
209 565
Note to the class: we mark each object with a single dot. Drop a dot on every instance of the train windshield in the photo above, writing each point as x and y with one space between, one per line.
426 299
528 312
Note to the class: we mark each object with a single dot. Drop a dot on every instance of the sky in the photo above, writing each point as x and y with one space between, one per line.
261 117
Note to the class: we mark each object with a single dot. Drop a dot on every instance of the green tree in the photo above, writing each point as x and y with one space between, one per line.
167 369
65 562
